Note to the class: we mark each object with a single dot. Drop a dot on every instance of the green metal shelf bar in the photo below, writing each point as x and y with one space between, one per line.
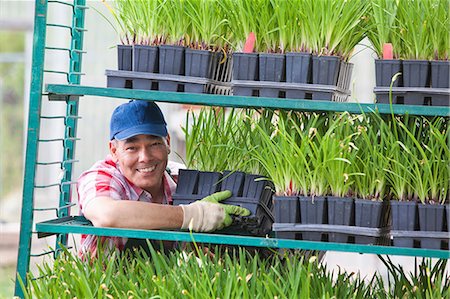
65 49
60 2
57 162
60 117
242 102
75 6
55 209
76 50
67 27
39 37
47 186
79 225
59 139
42 254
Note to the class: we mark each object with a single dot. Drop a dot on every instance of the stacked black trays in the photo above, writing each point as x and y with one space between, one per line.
253 192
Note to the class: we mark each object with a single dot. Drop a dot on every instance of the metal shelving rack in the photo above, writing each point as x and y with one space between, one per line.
72 92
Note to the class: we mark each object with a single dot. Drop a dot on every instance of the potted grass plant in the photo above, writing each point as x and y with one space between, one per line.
122 15
382 30
439 37
399 176
293 39
241 22
272 61
340 150
429 158
370 187
207 28
328 33
147 16
414 30
172 48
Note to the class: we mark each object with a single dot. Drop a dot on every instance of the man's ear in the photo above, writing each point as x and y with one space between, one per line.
168 143
113 150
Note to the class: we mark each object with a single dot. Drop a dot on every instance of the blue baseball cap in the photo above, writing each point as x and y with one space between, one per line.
137 117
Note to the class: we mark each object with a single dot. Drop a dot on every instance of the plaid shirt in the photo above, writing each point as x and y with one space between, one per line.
104 178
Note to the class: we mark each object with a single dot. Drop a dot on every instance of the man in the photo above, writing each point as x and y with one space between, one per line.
133 186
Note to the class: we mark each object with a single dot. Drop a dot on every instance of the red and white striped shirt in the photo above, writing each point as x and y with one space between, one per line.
104 178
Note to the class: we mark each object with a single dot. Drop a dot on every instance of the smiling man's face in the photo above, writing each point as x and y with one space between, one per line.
142 160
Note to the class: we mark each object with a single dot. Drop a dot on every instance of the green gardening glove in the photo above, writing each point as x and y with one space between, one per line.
229 209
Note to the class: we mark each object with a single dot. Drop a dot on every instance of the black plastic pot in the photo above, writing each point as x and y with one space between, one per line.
208 182
367 214
447 212
298 67
272 67
341 211
415 74
124 57
145 59
431 218
298 70
233 181
404 218
187 181
171 62
313 211
286 210
198 63
245 66
440 79
385 69
325 70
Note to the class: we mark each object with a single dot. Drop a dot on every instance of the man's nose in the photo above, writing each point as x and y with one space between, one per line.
144 155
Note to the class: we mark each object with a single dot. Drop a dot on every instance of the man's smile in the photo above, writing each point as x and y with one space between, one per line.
146 169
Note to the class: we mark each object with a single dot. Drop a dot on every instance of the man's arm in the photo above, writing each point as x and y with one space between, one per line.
107 212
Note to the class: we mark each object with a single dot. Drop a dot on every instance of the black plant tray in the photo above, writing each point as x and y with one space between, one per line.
379 236
250 191
421 239
289 90
154 81
425 95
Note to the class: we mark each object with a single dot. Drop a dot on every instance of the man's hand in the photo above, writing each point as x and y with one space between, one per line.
209 214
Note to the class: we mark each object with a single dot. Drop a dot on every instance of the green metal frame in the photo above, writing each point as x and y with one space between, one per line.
66 224
34 116
242 102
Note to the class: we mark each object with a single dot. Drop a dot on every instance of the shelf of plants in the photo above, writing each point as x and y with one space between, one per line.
366 178
207 54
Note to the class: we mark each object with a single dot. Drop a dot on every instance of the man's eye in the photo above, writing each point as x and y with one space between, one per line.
156 144
130 148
